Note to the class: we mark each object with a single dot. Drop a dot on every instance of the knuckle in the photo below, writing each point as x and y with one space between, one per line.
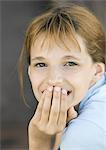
51 129
42 127
61 127
50 132
74 115
32 125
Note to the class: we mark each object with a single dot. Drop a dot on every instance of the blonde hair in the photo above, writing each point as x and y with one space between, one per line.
65 22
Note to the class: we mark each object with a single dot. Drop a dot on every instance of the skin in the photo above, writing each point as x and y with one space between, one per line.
51 76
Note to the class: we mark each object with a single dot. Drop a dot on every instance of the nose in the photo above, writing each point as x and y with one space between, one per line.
55 82
55 78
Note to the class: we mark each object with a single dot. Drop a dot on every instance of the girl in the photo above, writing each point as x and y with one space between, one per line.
65 49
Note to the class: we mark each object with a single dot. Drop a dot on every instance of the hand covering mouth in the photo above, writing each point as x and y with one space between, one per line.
68 92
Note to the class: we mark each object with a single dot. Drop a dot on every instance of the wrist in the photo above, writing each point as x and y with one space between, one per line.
39 144
38 139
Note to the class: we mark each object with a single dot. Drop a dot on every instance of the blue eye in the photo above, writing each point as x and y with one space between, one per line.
71 63
40 65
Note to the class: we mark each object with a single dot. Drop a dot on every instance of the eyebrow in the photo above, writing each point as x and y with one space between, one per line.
70 56
40 58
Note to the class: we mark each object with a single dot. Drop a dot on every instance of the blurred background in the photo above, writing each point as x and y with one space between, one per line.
14 19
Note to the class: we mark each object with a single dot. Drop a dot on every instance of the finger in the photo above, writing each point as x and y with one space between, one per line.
38 112
46 105
54 113
63 110
71 114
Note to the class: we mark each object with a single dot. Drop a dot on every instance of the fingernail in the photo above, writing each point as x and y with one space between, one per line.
57 89
64 91
50 88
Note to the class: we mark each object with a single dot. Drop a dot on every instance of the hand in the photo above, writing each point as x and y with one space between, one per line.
71 114
51 114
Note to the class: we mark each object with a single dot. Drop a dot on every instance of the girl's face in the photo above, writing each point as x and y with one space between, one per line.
72 70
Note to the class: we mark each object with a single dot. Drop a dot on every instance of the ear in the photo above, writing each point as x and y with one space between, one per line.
99 70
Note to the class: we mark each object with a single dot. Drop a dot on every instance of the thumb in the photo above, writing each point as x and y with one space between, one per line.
71 114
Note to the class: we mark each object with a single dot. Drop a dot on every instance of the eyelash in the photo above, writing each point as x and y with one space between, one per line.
72 63
39 65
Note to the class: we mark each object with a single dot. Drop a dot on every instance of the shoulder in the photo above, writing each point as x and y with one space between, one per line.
83 134
88 130
94 109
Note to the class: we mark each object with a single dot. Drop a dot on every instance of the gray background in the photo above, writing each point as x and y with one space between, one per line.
15 17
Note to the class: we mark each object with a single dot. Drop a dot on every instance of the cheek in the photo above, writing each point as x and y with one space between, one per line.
73 79
81 78
80 86
35 81
35 78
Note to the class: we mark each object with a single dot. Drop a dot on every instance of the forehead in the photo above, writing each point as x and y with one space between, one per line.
45 45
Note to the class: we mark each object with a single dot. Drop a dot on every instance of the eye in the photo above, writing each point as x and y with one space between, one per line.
40 65
70 63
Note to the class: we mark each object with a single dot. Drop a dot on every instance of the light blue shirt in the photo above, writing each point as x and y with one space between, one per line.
88 130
